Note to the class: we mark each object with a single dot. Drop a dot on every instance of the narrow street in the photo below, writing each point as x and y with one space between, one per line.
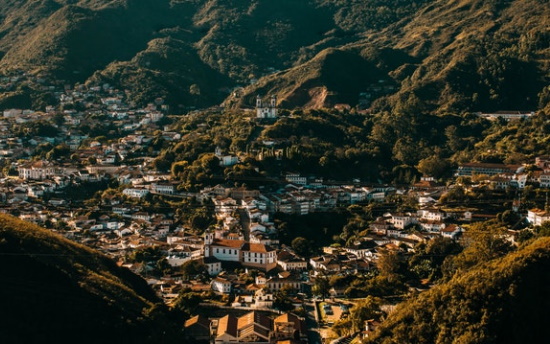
314 337
245 223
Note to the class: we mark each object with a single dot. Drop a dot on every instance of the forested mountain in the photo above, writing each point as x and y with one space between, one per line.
54 290
450 56
504 300
423 55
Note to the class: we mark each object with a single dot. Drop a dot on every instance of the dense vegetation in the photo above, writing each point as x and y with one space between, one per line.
503 300
428 54
66 292
386 147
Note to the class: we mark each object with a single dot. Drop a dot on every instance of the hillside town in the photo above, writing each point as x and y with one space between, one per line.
109 196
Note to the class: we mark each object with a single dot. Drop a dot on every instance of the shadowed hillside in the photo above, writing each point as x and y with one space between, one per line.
54 290
503 301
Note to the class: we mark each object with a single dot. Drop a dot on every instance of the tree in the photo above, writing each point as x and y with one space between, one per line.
163 267
193 268
178 168
364 310
485 242
389 264
301 246
433 166
321 286
188 302
428 258
282 301
406 151
508 217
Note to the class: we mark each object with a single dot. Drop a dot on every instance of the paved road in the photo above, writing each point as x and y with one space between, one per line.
312 325
245 223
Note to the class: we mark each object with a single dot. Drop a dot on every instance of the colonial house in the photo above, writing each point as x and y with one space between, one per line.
275 284
401 221
226 159
472 168
165 188
451 231
538 216
38 170
431 214
213 265
225 205
248 254
289 326
289 261
431 225
135 193
327 263
197 328
221 285
361 248
250 328
257 328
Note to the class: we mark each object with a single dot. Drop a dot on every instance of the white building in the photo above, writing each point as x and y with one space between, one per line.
221 285
544 180
38 170
135 193
538 216
268 111
226 159
253 255
163 188
401 221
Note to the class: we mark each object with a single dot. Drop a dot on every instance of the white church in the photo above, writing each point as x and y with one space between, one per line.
266 111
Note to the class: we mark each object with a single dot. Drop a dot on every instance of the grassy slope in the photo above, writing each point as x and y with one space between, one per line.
452 55
55 290
503 301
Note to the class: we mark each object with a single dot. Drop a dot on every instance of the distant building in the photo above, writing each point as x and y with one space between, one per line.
472 168
226 159
538 216
198 328
507 115
38 170
266 111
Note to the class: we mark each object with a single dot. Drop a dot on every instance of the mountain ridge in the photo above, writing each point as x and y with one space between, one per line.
448 55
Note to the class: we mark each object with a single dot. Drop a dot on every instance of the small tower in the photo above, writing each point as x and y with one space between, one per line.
273 101
218 152
208 239
258 102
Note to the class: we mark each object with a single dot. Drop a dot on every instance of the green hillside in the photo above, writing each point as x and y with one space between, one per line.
449 56
54 290
444 55
503 301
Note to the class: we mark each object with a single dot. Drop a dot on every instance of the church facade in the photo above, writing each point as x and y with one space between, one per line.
268 110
